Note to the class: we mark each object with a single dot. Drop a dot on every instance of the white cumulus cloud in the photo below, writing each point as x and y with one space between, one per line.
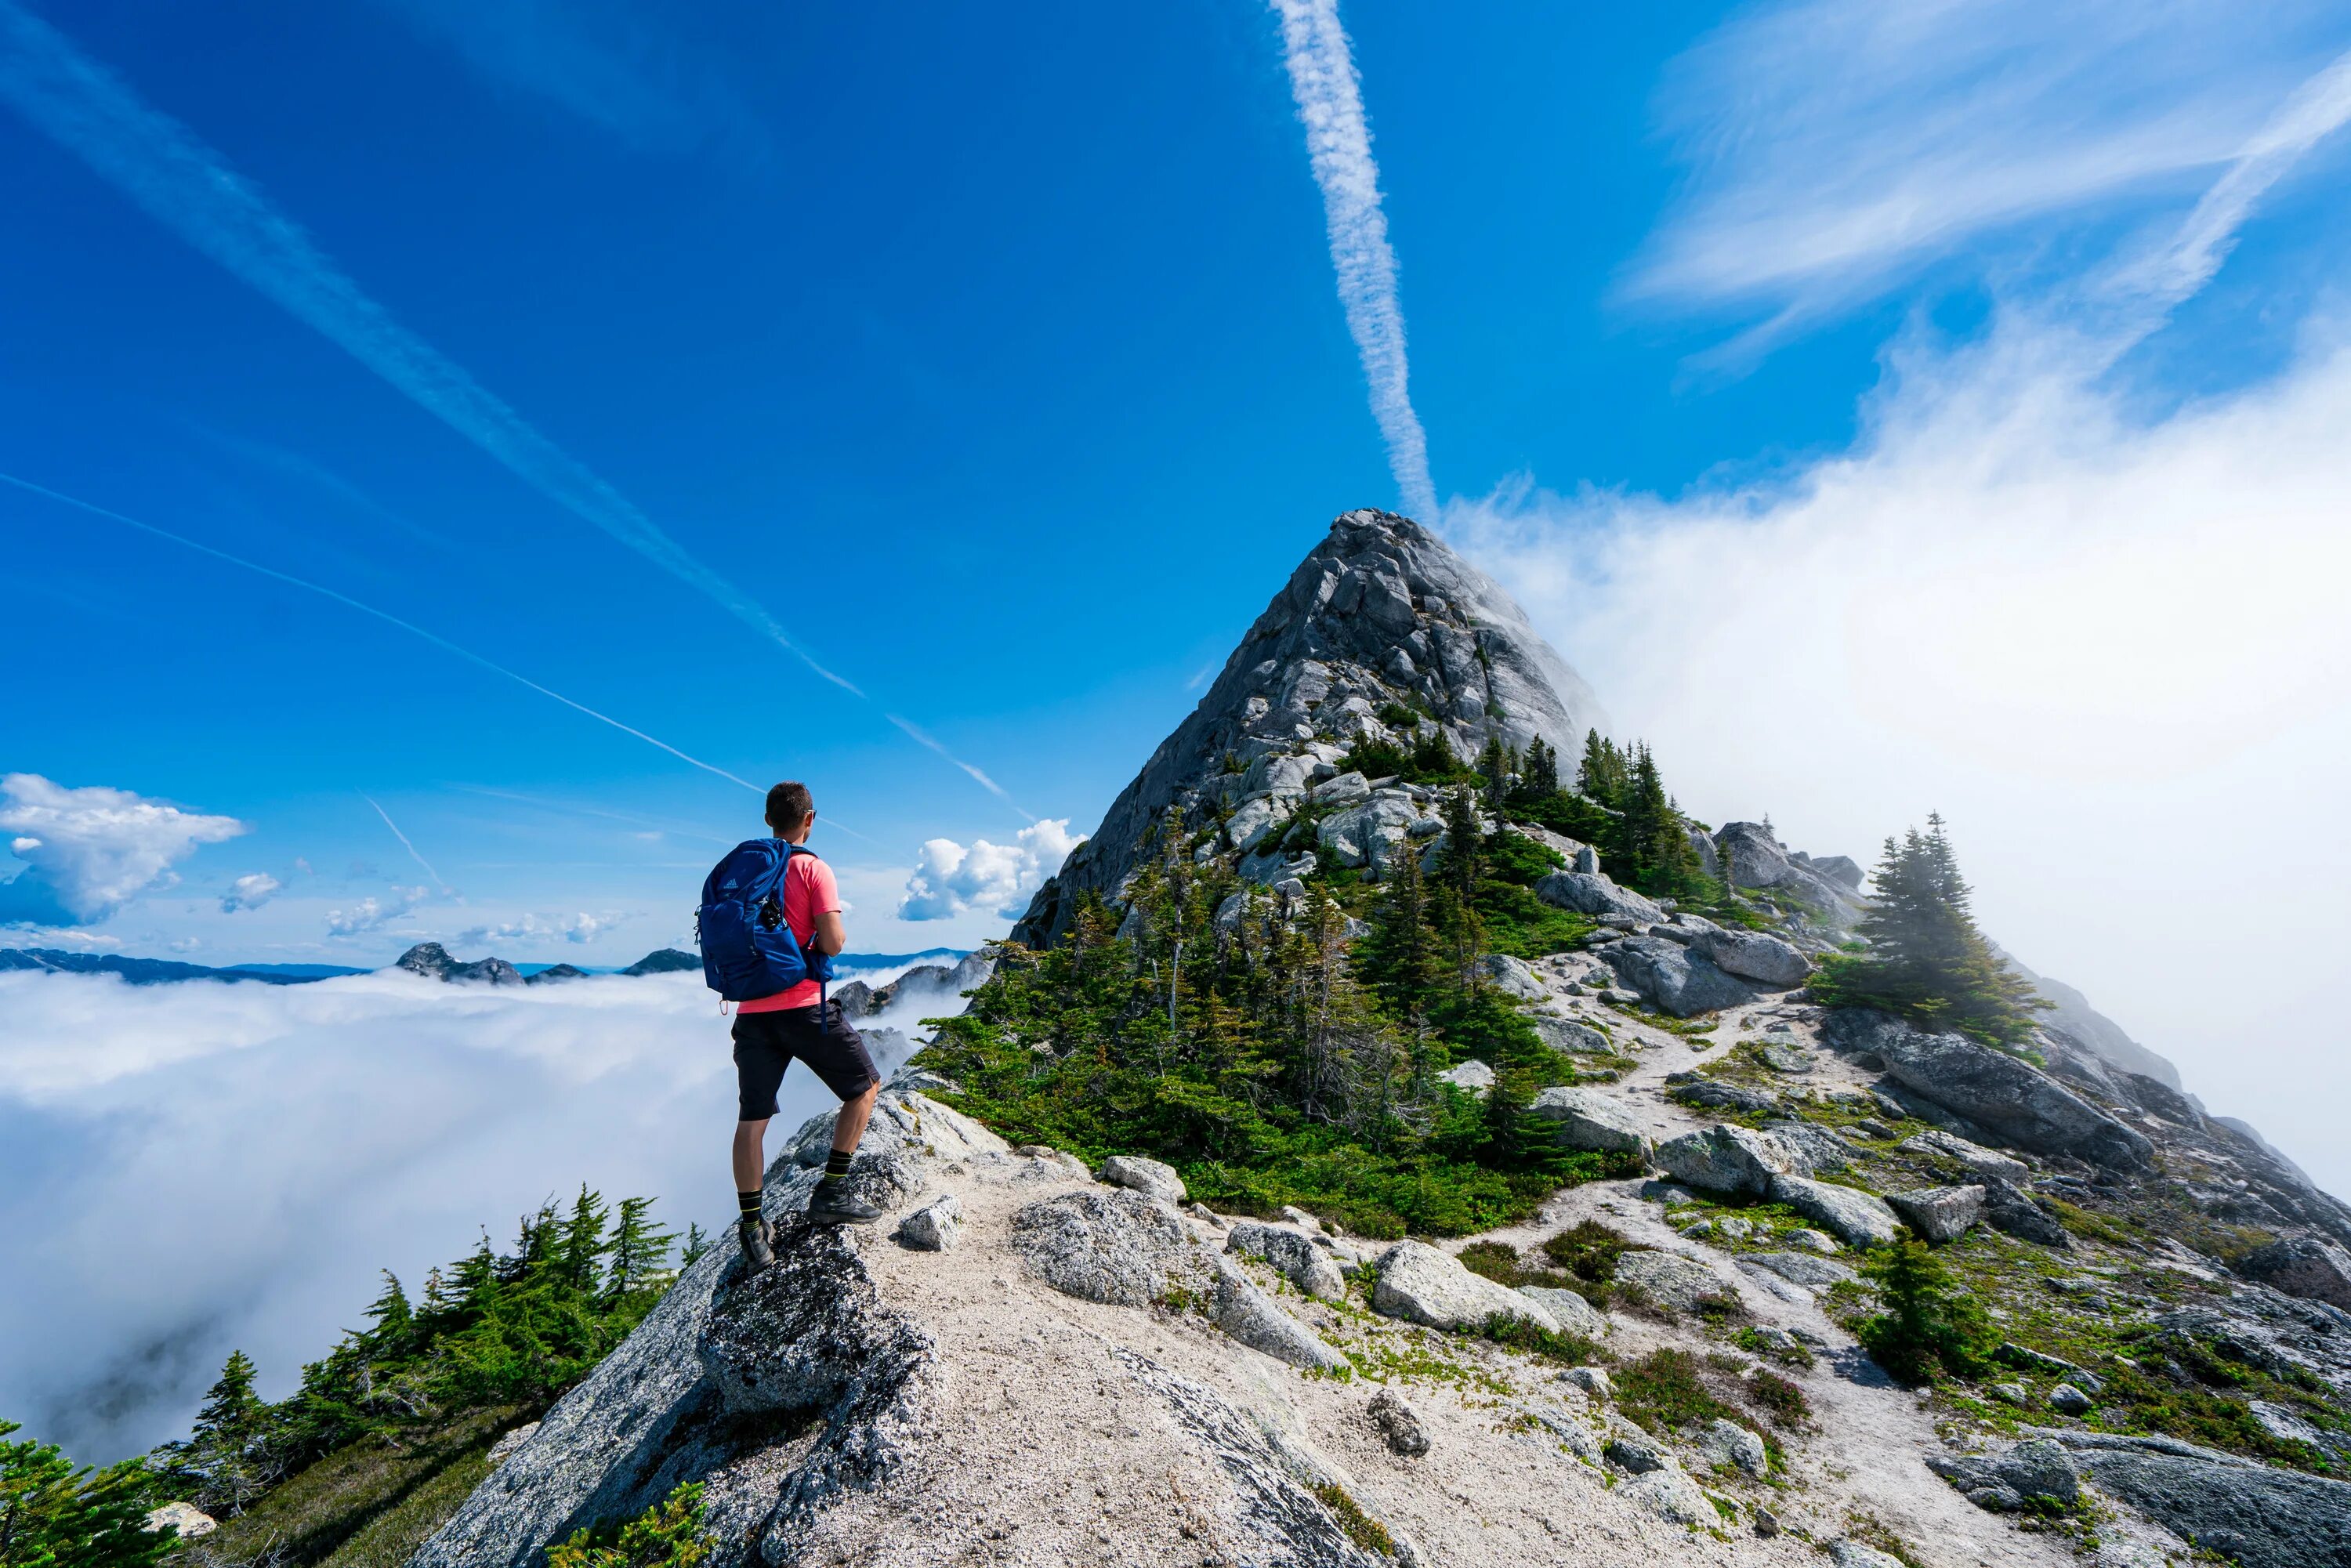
89 851
373 914
581 928
950 879
250 891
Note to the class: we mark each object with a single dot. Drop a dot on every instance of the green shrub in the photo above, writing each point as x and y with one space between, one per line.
670 1534
1930 1325
1777 1397
1587 1249
1533 1339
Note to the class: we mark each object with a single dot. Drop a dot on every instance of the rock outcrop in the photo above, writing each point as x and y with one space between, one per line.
432 961
2243 1510
2028 1109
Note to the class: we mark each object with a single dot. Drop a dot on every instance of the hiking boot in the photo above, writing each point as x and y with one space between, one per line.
757 1236
834 1204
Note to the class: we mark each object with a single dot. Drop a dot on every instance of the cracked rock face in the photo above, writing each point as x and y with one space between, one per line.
2028 1108
1381 616
2258 1516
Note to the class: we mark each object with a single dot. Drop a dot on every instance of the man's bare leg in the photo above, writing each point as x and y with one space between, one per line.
751 1154
849 1126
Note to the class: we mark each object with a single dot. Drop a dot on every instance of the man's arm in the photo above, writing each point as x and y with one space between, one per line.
829 935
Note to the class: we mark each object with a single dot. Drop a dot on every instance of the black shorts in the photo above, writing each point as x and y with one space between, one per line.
766 1043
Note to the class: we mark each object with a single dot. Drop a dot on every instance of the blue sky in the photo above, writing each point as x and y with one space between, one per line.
996 362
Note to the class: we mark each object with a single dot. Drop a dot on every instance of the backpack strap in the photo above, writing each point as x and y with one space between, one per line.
823 981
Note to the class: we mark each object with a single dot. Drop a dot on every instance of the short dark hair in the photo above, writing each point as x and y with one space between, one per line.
789 805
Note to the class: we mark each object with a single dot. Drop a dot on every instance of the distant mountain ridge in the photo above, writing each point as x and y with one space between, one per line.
428 958
163 971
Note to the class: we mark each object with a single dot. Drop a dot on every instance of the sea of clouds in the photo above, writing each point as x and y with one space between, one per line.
187 1170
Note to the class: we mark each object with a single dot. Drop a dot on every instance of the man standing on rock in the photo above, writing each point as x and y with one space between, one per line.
771 1032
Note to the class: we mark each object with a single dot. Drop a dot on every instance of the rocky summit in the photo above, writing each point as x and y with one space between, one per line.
1784 1273
1383 633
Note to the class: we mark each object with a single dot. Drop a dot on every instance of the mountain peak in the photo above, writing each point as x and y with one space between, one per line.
1382 633
432 960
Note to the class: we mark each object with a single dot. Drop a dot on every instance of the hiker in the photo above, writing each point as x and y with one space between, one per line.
781 882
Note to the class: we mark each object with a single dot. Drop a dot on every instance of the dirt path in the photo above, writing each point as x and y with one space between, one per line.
1866 1453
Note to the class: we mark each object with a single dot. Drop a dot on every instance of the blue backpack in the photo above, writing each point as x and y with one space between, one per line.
749 950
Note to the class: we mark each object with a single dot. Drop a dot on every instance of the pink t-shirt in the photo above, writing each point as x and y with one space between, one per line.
809 891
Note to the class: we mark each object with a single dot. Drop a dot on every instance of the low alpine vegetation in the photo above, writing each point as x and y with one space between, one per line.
1277 1061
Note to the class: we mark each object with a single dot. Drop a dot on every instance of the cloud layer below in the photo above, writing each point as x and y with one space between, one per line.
268 1148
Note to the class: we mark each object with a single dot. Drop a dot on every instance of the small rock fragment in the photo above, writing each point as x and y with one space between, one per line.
1592 1380
934 1227
1398 1423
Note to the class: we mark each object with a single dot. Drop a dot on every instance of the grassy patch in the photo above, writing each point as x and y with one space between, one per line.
1533 1339
1667 1391
370 1504
1782 1401
1362 1527
1581 1258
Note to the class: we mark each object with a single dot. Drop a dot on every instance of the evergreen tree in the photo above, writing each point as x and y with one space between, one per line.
1931 1325
392 1322
1432 757
696 1243
225 1459
1494 767
1542 770
1926 961
1604 774
1515 1139
53 1515
639 1254
1461 865
578 1245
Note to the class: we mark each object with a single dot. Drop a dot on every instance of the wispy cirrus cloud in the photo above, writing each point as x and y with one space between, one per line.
183 184
1835 148
1328 94
608 62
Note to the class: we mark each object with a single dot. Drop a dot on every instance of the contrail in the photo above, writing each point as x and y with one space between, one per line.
183 183
990 785
824 820
411 848
1339 145
410 627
